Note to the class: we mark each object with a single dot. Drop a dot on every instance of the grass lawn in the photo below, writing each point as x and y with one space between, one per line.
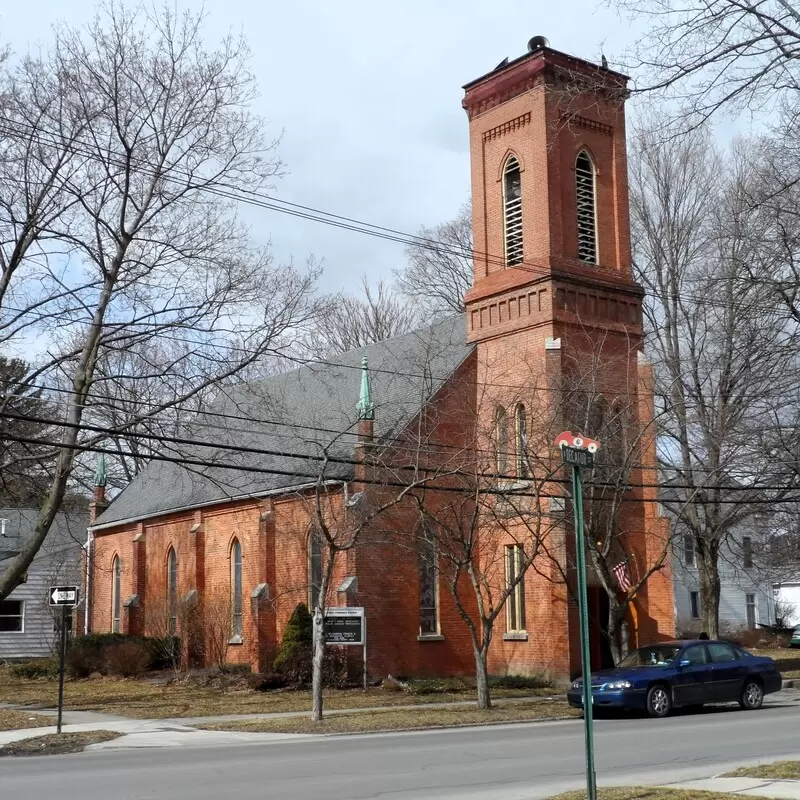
17 720
371 721
788 660
144 699
779 770
56 743
648 793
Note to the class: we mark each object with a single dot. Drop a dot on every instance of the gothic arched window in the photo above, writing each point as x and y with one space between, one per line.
116 591
236 589
512 211
521 440
172 592
586 208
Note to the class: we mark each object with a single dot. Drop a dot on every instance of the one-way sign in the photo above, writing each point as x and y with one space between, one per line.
63 595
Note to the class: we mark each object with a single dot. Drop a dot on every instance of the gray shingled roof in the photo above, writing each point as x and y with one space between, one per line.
67 532
296 414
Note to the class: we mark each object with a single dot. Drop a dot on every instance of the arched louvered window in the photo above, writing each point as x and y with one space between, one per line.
585 201
521 437
116 595
236 590
172 592
501 440
512 211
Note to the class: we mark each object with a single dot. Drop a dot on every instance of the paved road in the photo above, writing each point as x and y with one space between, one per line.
497 763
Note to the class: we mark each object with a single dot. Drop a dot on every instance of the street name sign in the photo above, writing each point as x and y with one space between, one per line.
63 596
577 457
344 625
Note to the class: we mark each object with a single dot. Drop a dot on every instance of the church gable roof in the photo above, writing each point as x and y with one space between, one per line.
290 419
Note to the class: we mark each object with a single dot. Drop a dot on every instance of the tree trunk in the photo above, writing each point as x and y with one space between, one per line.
317 664
616 614
708 570
482 676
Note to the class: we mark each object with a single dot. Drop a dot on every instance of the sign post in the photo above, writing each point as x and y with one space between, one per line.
346 625
577 451
65 597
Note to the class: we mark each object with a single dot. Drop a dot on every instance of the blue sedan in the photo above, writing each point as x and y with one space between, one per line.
671 675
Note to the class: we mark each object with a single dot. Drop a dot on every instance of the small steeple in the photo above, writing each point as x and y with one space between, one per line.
100 472
365 406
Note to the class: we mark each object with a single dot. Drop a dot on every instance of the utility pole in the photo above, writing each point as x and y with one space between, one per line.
578 451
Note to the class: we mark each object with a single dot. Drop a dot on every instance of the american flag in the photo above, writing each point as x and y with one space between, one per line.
622 577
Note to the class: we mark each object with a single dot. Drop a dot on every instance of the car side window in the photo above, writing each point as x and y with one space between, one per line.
695 655
720 653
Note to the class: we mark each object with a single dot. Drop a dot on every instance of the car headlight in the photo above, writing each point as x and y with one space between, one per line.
619 685
577 684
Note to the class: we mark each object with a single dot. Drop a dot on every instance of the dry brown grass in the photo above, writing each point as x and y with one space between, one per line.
11 720
407 719
778 770
56 743
649 793
144 699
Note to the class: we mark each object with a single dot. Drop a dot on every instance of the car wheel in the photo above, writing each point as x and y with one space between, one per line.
752 696
659 702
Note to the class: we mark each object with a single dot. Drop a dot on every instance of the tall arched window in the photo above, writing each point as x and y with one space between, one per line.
512 211
172 592
314 568
236 589
521 440
501 440
585 203
116 589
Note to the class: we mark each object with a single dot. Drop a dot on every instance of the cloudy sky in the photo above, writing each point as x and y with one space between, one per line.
368 96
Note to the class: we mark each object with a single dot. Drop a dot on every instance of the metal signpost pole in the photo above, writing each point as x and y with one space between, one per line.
62 659
364 648
586 664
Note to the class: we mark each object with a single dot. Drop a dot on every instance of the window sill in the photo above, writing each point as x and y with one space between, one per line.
515 636
430 637
236 640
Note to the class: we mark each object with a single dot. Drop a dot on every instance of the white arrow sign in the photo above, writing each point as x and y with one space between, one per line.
63 595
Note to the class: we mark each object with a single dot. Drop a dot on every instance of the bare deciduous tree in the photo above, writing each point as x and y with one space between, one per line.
722 352
439 270
118 141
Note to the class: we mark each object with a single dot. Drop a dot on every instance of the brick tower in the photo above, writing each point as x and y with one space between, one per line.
553 296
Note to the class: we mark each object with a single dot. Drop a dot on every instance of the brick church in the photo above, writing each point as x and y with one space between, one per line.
230 526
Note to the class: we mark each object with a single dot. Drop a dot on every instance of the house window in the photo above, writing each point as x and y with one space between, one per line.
12 616
521 435
236 590
428 587
750 610
172 592
694 604
515 605
314 569
116 594
747 552
501 441
512 211
688 550
585 201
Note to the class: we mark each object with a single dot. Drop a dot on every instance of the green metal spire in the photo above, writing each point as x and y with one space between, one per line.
100 472
365 407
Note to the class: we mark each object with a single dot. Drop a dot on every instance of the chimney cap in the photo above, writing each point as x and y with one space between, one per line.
537 43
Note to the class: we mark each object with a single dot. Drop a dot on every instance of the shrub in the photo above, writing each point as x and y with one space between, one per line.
165 652
129 659
266 681
37 668
83 661
294 655
437 685
521 682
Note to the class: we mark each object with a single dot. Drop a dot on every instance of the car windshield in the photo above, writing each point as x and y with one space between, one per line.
654 656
